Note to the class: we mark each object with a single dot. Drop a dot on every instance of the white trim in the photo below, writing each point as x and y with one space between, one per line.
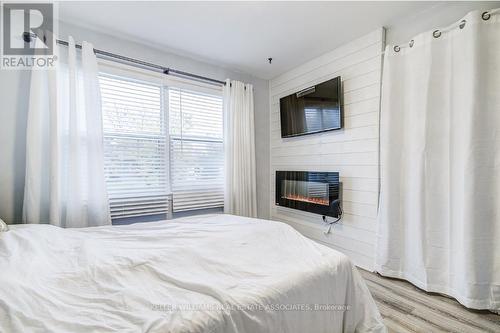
142 74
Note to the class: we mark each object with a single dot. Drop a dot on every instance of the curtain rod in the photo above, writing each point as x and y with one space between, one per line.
28 36
165 70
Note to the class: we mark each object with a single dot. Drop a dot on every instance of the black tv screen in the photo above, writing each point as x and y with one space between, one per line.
312 110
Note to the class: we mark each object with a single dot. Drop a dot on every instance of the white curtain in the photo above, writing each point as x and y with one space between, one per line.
64 183
240 197
439 218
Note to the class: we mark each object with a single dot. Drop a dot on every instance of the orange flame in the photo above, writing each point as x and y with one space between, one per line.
297 197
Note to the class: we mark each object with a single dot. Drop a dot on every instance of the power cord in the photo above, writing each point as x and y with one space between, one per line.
331 223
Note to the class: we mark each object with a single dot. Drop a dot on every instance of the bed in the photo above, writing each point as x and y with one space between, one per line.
209 273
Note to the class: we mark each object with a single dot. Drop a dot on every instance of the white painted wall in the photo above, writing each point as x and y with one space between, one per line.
14 94
14 87
352 151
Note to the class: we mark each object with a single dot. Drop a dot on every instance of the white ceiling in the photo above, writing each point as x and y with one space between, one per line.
241 35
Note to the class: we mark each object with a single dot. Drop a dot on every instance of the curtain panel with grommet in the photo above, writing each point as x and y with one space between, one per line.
64 181
240 197
439 214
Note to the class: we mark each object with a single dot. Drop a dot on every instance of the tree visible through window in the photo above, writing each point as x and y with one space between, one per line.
158 140
134 147
196 149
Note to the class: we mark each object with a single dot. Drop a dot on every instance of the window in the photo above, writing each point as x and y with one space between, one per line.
159 140
196 149
134 147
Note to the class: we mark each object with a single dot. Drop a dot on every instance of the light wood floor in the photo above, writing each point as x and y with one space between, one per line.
405 308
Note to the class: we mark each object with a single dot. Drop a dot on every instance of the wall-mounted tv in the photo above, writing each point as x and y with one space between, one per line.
312 110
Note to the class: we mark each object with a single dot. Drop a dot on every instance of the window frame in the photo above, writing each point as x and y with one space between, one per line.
208 140
146 76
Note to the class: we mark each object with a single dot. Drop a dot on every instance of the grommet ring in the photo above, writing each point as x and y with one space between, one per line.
462 24
436 34
397 48
411 43
485 16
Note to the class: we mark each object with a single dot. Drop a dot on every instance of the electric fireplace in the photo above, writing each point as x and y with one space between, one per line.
315 192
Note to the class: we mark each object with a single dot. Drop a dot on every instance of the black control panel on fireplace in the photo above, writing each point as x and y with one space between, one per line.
310 191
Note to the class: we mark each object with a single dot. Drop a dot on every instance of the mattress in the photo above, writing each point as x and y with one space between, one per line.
209 273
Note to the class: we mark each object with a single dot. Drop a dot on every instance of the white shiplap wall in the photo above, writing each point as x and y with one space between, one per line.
352 151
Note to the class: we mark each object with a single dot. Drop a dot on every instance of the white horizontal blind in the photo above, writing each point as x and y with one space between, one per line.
134 147
196 149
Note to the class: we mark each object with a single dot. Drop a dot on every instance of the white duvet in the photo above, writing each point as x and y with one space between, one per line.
212 273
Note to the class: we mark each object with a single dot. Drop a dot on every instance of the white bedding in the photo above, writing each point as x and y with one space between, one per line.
211 273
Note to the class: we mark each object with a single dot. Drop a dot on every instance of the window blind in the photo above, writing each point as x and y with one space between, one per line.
134 147
196 149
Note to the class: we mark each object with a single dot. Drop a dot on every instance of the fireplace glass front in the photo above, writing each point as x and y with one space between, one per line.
312 192
315 192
